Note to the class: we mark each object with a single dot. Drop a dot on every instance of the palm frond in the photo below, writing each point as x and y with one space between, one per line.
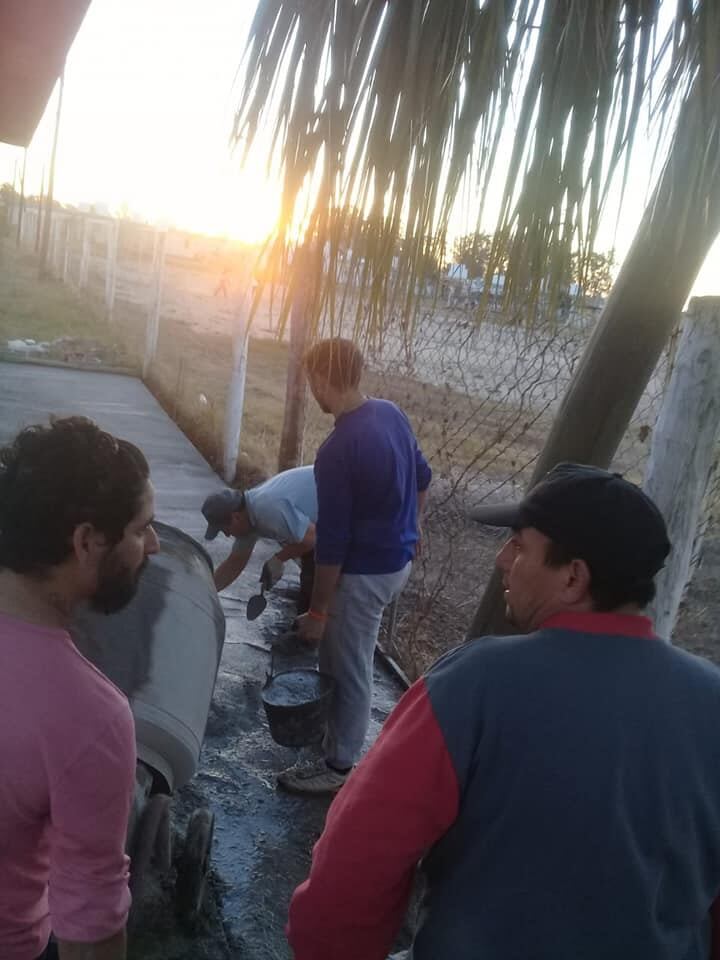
389 107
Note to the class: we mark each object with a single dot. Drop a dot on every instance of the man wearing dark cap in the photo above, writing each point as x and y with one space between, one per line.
283 509
561 786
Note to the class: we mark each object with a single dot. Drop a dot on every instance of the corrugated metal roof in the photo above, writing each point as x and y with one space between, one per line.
35 36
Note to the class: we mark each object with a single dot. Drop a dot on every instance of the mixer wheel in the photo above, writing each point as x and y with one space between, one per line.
194 866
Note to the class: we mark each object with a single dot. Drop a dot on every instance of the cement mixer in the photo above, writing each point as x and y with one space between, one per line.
163 651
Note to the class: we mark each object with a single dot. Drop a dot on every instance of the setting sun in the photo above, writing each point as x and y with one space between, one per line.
146 116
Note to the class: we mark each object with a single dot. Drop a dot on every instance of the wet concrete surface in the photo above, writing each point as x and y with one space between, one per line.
263 837
124 406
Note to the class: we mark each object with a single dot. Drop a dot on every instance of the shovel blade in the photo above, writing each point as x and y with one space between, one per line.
255 606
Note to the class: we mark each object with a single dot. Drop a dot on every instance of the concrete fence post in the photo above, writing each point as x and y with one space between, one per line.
84 255
111 254
236 390
153 324
683 450
67 249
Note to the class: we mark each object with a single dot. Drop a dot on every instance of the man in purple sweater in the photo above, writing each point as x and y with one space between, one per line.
372 481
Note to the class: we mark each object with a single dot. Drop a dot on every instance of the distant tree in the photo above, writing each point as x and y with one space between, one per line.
8 198
473 252
595 275
8 193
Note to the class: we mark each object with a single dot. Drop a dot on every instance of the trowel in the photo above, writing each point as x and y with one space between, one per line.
256 604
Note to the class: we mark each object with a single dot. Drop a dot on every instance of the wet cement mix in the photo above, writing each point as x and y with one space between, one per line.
263 836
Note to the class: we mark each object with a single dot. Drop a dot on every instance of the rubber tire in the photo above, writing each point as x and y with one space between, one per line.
194 866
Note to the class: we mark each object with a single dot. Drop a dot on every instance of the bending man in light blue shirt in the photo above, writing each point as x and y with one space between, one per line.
283 508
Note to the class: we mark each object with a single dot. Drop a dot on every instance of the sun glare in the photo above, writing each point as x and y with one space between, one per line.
147 113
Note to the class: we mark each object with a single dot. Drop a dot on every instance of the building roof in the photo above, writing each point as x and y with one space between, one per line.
35 36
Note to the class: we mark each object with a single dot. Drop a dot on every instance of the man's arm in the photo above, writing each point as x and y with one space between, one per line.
311 625
396 804
292 550
326 578
111 949
89 897
229 570
421 498
333 536
423 474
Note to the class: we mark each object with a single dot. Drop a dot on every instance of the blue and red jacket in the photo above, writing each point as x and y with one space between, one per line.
562 791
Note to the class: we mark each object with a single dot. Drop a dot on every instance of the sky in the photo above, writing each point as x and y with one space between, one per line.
146 116
147 113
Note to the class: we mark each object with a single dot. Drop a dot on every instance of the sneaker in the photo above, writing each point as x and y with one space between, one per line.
305 767
317 778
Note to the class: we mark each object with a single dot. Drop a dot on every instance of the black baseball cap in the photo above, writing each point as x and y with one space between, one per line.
599 516
219 507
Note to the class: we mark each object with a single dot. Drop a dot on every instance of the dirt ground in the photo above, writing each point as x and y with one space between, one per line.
190 377
262 833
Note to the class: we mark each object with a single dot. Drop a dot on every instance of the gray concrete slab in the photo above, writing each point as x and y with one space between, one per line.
263 836
124 406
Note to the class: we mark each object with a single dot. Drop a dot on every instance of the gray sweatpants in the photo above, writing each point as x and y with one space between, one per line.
346 653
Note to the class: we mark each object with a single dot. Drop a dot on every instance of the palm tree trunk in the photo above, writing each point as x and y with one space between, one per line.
675 235
293 428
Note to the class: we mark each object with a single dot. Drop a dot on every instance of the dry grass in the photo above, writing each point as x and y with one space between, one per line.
191 374
190 377
46 311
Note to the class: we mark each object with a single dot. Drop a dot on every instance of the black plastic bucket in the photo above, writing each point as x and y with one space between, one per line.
296 705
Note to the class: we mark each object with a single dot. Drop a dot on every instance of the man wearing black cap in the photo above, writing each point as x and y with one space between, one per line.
561 786
284 509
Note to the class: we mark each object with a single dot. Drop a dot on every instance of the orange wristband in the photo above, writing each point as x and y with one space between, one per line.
314 615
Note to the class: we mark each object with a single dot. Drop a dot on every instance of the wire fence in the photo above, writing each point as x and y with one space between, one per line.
481 390
170 296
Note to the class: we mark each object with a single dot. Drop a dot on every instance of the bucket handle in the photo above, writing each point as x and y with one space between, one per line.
271 673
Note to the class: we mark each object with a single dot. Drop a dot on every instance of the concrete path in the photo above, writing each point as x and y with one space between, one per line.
123 405
263 837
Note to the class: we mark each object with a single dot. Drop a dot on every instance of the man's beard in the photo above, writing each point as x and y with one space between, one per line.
117 585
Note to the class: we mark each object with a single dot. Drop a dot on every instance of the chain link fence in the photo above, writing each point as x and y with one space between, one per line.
173 299
480 388
481 391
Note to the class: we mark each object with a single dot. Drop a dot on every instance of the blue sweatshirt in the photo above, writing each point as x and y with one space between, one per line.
368 473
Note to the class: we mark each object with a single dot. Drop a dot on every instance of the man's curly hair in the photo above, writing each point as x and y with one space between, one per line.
338 362
55 477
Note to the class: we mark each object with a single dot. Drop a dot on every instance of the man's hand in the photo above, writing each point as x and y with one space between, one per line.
311 625
272 571
231 568
310 628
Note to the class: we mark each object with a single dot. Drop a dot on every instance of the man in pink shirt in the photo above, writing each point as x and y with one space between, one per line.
76 510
